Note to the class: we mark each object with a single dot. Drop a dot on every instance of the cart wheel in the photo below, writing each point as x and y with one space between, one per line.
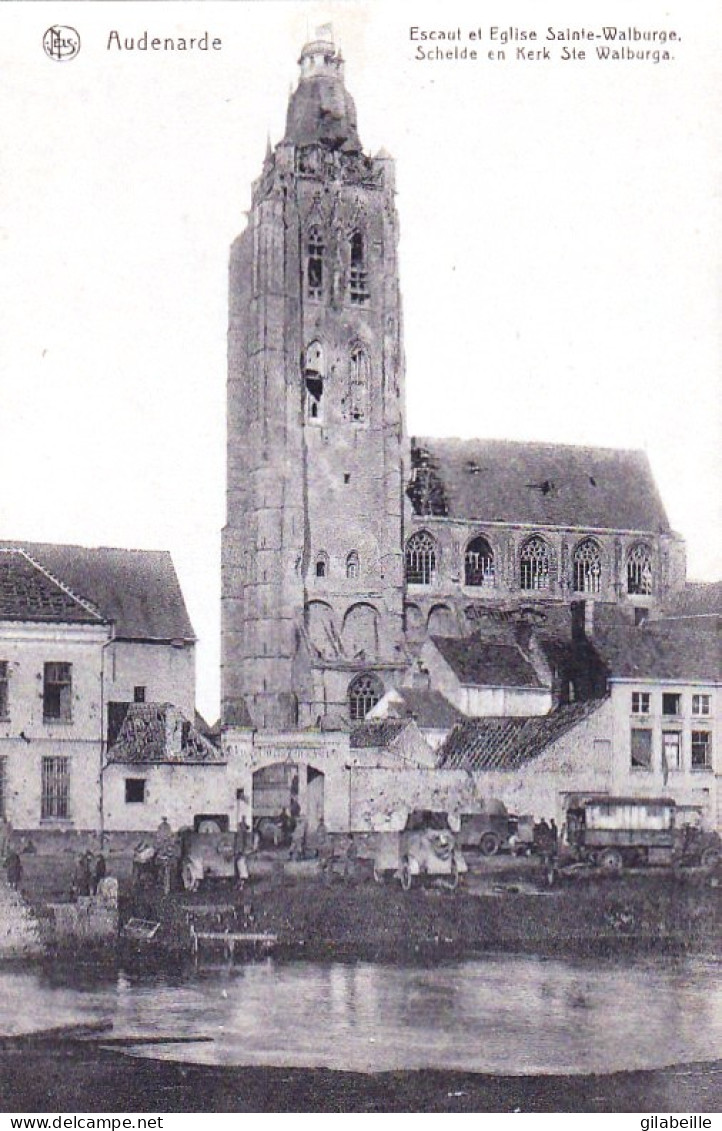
406 876
190 883
610 860
710 858
379 875
489 844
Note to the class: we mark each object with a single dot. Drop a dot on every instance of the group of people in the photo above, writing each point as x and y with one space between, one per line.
90 869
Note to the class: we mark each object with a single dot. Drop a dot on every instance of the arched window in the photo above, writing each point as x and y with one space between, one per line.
587 563
639 571
420 559
321 565
534 564
352 565
314 372
359 372
358 285
479 563
314 263
364 693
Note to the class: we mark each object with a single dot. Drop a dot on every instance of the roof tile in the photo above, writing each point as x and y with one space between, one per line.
542 484
136 589
506 743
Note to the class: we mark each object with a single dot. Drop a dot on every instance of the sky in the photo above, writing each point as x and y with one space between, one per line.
559 257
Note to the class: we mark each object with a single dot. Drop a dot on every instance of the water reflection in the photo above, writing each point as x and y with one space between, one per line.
505 1014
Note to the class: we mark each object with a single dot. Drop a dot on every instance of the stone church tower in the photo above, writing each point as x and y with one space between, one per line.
312 556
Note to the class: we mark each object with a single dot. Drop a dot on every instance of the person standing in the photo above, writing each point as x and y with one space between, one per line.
13 868
166 853
6 832
82 875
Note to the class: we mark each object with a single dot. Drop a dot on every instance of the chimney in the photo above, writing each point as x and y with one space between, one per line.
582 620
421 680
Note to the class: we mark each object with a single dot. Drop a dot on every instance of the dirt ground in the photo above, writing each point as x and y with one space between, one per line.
502 903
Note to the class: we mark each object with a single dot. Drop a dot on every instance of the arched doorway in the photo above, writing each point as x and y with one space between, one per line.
290 787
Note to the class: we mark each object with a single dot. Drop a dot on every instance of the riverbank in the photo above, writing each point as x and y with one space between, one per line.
361 920
502 904
84 1077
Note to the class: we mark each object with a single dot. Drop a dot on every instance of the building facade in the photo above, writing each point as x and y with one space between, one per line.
347 545
84 633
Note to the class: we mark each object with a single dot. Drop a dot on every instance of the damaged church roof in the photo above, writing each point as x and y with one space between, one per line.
155 733
137 590
507 742
535 484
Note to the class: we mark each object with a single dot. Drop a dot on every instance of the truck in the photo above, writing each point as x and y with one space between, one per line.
618 832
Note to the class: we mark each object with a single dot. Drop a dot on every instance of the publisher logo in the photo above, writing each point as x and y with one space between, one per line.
60 43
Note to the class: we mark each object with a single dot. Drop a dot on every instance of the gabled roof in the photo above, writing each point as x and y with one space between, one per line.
505 743
137 590
696 599
28 592
430 710
154 733
662 650
377 732
543 484
478 662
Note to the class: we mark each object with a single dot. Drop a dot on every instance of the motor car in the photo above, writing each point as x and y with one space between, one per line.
209 850
426 847
488 830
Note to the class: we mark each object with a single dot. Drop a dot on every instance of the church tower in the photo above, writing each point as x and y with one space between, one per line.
312 562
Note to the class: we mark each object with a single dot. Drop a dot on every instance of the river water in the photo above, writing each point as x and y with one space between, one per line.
498 1014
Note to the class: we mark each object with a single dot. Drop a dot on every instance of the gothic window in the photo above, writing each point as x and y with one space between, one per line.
321 565
314 264
420 559
534 564
587 564
479 563
358 275
364 693
639 570
359 384
352 565
313 375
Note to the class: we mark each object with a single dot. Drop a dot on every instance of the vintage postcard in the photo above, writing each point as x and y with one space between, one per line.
360 689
